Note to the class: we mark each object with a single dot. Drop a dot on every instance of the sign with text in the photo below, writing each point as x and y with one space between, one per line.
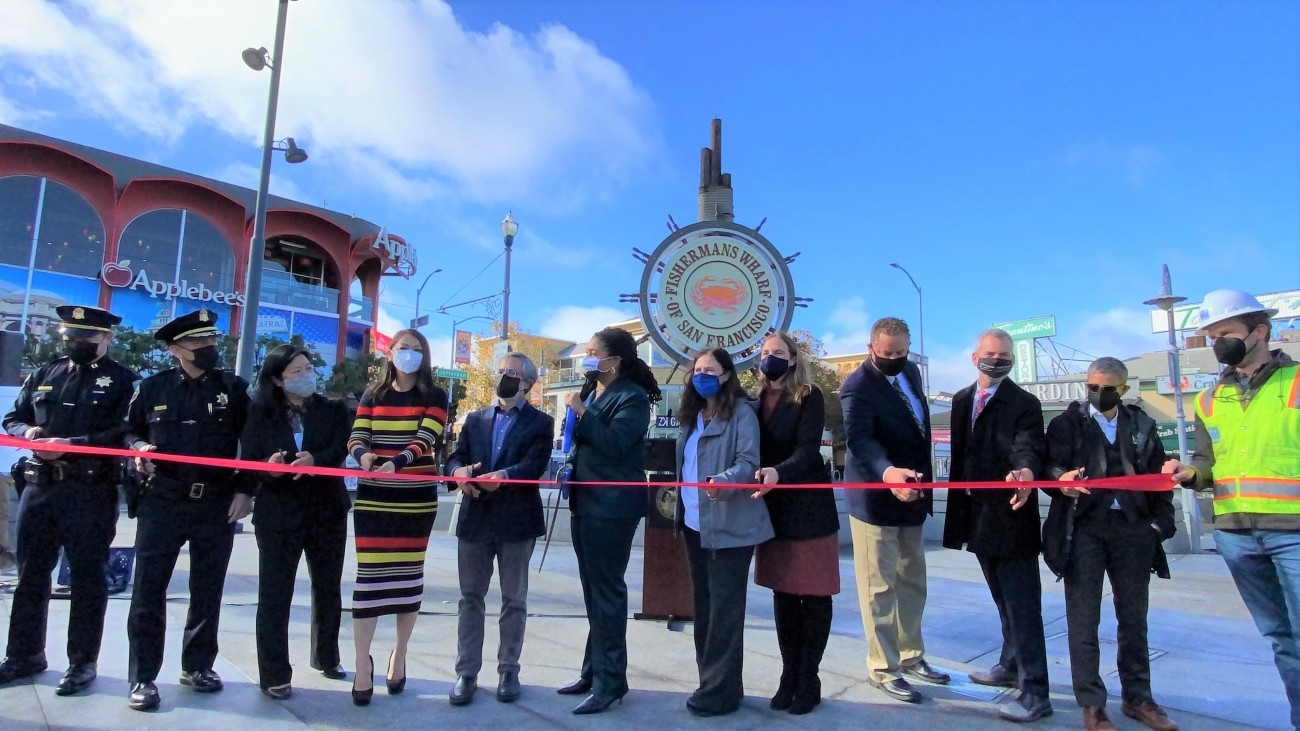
1063 392
120 274
1287 305
1191 382
715 284
1023 333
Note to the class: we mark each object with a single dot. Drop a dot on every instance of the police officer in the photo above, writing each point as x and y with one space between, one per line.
70 500
198 410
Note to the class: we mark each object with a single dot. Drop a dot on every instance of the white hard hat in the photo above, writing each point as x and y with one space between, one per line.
1222 304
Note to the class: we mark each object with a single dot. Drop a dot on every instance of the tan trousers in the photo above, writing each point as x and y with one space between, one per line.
890 568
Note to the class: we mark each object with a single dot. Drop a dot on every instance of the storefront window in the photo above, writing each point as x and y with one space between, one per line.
70 236
173 245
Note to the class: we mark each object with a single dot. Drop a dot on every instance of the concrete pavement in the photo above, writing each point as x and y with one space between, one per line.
1210 668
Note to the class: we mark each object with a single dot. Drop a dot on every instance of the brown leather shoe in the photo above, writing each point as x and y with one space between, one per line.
1095 719
1149 713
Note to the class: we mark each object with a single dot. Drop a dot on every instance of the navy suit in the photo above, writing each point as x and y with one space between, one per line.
501 525
513 512
880 433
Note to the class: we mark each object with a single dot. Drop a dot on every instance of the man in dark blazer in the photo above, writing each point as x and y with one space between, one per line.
887 427
1115 533
508 441
997 435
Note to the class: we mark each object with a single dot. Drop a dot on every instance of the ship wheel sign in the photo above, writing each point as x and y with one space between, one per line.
715 284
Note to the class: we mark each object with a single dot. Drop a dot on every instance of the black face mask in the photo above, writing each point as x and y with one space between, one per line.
508 387
80 351
206 358
995 367
774 367
1104 400
889 366
1232 351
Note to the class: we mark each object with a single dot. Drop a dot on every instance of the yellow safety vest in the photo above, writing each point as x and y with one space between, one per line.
1256 449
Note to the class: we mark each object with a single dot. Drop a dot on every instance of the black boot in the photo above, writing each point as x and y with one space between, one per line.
789 629
816 630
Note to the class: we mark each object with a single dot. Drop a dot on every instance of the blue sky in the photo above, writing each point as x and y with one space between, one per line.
1019 158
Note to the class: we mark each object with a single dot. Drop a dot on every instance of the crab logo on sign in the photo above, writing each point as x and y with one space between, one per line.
715 284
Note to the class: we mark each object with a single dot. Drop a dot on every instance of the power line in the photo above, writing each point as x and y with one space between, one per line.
466 284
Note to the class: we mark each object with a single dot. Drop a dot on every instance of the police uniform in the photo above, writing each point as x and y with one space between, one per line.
71 501
203 417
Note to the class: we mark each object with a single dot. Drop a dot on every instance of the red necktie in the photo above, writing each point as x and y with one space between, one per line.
980 403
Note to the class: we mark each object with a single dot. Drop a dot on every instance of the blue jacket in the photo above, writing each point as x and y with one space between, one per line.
512 512
727 451
880 433
609 444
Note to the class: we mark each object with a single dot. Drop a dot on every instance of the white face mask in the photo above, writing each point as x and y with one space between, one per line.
408 361
302 385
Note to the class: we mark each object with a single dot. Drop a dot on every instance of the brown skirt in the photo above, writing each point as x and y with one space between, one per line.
809 567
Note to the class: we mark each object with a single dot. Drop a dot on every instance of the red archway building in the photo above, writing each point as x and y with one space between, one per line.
81 225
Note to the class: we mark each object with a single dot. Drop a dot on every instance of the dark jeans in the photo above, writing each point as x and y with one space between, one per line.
1107 544
82 519
162 528
474 565
1017 592
288 529
603 547
720 578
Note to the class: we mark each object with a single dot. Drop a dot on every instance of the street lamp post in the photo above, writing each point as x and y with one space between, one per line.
1166 301
920 326
509 227
257 59
415 323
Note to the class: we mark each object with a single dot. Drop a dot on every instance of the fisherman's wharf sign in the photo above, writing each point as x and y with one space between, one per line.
715 284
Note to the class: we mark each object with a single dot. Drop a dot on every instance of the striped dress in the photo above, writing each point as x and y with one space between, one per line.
392 519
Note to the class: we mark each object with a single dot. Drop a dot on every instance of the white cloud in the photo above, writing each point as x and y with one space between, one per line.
578 323
240 173
494 115
850 327
1122 332
1136 162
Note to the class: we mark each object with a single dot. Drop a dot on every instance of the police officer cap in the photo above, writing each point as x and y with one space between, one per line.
80 321
197 324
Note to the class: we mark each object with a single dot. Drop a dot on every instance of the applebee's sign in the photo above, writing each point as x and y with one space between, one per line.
119 274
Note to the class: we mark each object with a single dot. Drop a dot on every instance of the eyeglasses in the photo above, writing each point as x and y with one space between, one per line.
1094 388
511 372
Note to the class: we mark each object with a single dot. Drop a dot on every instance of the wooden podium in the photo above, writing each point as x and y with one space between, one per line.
666 591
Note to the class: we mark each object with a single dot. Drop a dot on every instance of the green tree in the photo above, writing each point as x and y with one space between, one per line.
482 382
353 375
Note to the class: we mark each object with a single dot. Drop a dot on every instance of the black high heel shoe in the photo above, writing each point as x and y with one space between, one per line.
395 686
597 704
362 697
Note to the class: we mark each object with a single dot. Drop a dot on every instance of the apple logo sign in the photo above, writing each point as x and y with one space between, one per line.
117 274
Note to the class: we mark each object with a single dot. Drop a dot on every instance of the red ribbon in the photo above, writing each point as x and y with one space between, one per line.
1143 483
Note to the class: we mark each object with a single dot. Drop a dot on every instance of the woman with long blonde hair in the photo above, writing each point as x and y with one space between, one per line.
801 564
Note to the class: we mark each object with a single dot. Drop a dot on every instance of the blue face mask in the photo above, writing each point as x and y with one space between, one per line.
706 384
591 364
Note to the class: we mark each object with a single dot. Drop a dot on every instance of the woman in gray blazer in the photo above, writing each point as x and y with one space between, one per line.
718 445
